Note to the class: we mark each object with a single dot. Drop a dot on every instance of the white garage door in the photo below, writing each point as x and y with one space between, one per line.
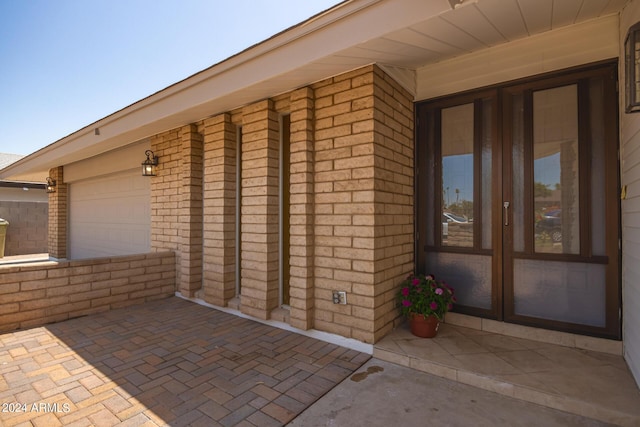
109 216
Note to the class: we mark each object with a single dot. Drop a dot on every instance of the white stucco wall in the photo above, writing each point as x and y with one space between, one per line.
630 177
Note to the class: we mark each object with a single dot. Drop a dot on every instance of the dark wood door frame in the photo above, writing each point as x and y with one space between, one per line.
428 241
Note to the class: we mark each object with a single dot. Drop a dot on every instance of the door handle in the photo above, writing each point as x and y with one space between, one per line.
506 205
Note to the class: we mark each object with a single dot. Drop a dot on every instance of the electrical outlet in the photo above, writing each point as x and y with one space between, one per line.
339 297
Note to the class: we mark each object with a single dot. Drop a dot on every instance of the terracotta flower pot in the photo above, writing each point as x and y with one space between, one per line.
424 327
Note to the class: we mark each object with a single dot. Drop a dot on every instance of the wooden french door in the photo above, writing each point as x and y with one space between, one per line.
517 200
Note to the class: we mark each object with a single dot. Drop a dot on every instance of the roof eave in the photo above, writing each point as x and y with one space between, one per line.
262 70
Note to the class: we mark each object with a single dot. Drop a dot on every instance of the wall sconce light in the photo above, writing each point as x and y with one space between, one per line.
632 69
149 166
51 185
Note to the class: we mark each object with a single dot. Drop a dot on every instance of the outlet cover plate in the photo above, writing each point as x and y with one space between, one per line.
339 297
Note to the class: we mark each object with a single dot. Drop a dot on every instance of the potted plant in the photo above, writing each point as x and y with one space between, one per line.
424 301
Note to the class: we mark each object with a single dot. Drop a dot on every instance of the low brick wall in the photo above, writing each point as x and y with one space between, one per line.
34 295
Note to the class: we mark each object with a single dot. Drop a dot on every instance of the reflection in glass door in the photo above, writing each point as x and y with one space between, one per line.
558 270
459 175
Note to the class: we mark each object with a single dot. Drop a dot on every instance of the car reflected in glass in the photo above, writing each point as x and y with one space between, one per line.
461 225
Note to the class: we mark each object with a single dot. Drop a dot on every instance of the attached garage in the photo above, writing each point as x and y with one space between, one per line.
109 216
108 205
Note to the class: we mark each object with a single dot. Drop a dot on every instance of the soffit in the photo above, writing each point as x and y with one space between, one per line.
398 34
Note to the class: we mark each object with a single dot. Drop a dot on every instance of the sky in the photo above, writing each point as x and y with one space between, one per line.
68 63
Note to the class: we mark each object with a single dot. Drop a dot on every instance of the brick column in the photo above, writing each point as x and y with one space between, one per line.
301 209
57 240
394 231
259 219
220 140
165 195
190 212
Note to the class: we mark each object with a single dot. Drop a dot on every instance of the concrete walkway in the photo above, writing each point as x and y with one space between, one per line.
166 363
382 394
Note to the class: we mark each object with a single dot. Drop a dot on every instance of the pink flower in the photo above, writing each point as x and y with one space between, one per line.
405 292
415 282
433 306
439 291
431 277
406 303
449 306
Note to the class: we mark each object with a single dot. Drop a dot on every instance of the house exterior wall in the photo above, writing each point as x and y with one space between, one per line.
351 203
33 295
630 207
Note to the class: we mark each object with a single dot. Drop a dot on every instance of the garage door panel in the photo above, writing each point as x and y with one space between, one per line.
109 216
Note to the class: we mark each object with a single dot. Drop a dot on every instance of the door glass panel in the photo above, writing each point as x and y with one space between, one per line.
563 291
469 275
555 165
457 176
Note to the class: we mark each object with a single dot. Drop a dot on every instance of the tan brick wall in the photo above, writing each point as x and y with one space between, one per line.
165 192
344 204
27 231
57 240
394 184
259 218
301 200
176 203
190 211
220 145
363 200
33 295
351 203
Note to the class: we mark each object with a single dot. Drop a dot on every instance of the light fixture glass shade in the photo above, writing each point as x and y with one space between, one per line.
51 185
149 166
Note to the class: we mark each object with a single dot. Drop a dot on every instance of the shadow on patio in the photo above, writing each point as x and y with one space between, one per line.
168 362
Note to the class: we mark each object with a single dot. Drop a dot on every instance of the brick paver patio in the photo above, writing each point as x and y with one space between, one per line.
169 362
